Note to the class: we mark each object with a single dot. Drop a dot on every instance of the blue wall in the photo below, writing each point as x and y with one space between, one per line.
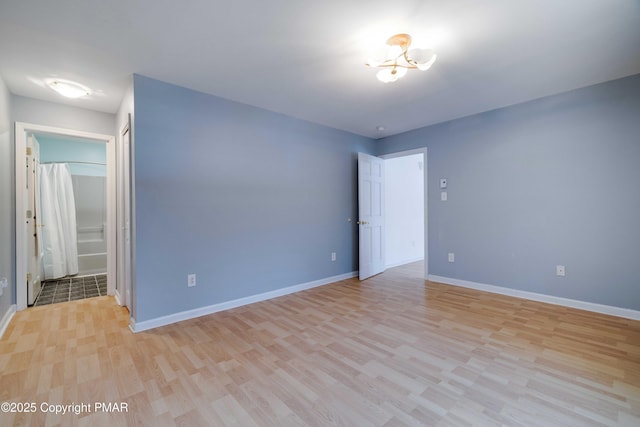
551 181
67 150
249 200
253 201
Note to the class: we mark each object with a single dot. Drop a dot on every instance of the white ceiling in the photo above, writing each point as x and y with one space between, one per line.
305 59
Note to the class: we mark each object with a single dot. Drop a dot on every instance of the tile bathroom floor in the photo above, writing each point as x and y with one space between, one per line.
71 289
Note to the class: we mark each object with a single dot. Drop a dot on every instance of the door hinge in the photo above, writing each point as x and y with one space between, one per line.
28 277
28 151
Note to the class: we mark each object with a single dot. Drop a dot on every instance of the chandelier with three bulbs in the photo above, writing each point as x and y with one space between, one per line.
395 58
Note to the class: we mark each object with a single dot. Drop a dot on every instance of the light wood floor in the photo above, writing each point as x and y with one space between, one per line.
391 350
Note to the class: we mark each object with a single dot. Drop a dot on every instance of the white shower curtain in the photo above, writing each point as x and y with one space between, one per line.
58 216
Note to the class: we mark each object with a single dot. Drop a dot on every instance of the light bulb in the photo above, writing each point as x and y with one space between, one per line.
423 59
400 72
428 64
394 51
386 76
389 75
377 56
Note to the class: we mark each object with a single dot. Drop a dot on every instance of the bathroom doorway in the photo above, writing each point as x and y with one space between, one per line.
70 239
65 249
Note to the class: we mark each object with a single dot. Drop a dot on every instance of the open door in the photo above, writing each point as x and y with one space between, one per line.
33 214
123 286
371 215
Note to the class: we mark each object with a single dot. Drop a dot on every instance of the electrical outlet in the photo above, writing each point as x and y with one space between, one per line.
333 256
451 257
191 280
560 270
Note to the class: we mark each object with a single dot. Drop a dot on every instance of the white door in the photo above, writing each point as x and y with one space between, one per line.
34 247
371 215
123 288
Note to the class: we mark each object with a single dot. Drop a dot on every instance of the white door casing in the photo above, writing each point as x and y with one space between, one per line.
22 130
371 215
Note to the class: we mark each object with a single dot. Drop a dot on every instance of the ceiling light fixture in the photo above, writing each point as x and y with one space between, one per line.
395 58
68 88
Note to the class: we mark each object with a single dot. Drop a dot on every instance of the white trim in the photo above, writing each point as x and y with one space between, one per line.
112 203
203 311
404 261
550 299
20 291
406 153
116 295
123 205
6 319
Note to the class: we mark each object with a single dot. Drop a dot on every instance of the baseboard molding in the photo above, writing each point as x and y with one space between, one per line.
203 311
403 262
6 319
566 302
116 295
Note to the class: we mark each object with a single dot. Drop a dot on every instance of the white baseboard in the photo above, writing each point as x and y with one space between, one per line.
203 311
403 262
116 295
6 319
566 302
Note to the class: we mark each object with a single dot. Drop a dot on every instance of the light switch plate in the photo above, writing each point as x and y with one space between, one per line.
443 196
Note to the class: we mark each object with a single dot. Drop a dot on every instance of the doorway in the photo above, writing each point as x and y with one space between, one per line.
404 209
422 152
29 244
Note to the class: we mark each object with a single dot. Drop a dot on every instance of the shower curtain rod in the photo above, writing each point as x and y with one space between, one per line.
84 163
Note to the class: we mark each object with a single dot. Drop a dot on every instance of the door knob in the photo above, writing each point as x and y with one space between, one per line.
363 222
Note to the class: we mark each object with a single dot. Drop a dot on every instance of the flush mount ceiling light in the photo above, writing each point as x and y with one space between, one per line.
68 88
395 58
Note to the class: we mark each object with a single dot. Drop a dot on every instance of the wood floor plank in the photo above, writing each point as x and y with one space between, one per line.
393 350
